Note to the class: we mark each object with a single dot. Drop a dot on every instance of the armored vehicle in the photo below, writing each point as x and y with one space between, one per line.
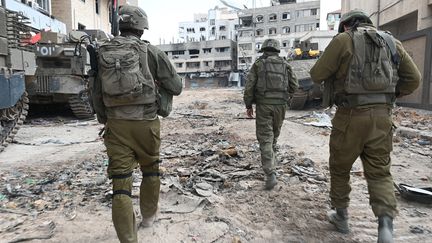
308 90
63 70
17 63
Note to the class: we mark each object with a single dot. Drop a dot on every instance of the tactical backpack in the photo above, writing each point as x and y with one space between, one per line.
373 68
273 80
124 73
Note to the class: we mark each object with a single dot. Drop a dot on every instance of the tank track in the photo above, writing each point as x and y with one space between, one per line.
298 100
11 119
81 107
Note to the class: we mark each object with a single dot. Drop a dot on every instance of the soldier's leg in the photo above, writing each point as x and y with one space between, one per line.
123 215
377 163
264 133
121 164
278 118
149 192
147 149
345 147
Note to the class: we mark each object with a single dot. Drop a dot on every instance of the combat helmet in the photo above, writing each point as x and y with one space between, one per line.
132 17
356 13
270 45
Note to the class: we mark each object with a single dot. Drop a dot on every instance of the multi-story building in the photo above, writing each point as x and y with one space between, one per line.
288 21
39 14
203 63
83 14
411 22
217 24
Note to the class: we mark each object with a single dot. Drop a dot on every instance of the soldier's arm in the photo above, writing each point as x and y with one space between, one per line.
335 58
163 71
249 92
96 99
409 75
293 82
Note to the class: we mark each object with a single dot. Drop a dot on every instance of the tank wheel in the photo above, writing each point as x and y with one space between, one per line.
81 107
298 100
11 119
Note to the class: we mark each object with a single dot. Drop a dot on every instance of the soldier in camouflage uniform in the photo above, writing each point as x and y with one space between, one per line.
269 85
364 71
132 135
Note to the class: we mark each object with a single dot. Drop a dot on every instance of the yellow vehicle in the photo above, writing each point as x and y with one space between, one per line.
306 50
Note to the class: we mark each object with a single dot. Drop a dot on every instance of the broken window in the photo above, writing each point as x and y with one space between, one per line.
190 30
178 53
285 43
207 63
246 21
314 11
222 37
97 6
202 29
192 64
259 19
286 30
213 31
272 17
258 45
222 49
245 60
245 46
259 32
272 31
225 63
81 26
222 28
193 51
286 15
206 50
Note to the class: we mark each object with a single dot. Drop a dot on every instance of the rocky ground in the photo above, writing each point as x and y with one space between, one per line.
53 186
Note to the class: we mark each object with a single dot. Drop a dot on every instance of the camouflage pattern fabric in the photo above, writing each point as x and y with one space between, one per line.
364 131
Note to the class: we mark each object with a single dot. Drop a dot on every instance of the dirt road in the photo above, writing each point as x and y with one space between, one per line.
53 186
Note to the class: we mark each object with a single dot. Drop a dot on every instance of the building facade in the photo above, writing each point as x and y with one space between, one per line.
203 63
217 24
39 14
411 22
287 21
83 14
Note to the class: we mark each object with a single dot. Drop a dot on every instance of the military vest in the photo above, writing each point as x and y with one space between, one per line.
273 80
372 74
124 73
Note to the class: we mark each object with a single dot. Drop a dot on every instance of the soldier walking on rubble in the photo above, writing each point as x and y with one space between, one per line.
125 99
364 70
269 85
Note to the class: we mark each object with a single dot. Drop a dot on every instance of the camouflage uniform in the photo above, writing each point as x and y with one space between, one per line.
132 139
270 112
363 130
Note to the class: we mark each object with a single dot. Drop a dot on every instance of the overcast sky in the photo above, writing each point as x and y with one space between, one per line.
164 15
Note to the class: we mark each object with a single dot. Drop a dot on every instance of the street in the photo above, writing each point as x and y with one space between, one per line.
53 184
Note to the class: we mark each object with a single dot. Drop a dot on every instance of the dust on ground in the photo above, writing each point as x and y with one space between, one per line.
53 186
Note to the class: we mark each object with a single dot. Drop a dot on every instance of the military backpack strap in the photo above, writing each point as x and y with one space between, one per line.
391 45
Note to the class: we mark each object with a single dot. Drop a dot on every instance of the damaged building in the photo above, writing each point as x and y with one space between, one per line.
290 22
217 24
204 63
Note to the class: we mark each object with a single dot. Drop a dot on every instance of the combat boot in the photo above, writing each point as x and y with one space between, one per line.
385 229
148 222
270 181
339 219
